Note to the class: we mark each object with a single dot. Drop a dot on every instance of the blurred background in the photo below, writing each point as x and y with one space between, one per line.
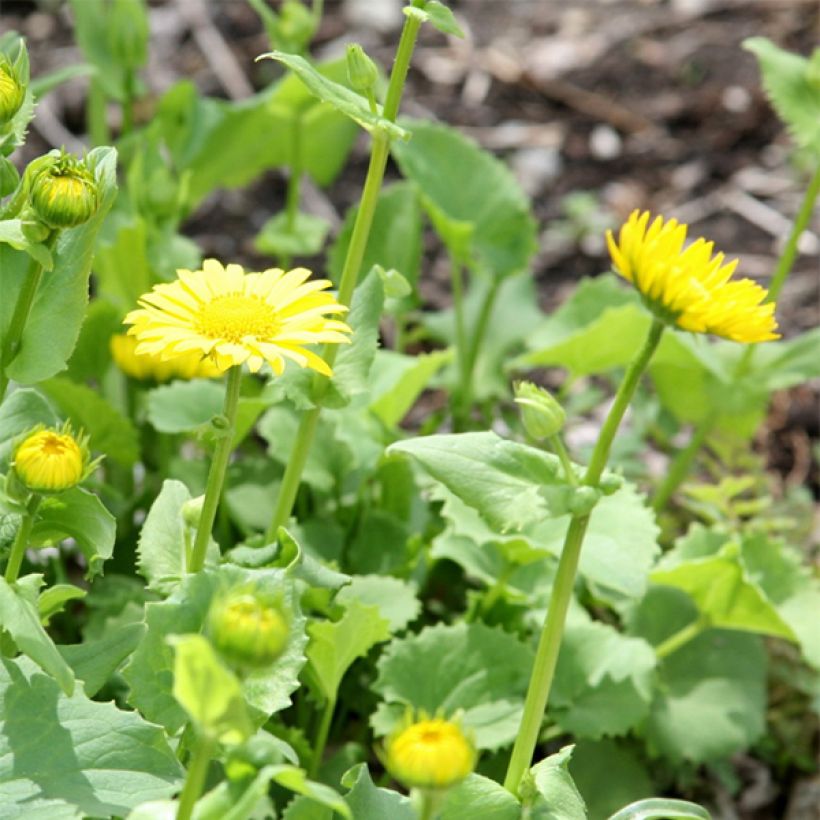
599 107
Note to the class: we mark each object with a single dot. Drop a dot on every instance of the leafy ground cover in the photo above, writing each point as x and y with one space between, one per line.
419 585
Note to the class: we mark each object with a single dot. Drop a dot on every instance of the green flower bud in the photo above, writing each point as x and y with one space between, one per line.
12 91
192 511
541 414
9 178
127 32
249 633
64 193
361 70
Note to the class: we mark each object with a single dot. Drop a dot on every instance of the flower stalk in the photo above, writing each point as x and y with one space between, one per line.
218 469
18 548
379 150
553 629
203 751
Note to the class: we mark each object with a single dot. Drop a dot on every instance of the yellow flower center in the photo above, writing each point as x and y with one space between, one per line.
65 189
235 317
54 445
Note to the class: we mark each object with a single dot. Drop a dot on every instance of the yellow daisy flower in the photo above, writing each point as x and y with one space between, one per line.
145 367
236 317
430 754
689 287
51 461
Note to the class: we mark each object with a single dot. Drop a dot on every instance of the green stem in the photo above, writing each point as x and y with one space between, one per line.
429 805
321 738
25 299
96 119
379 150
557 444
128 104
682 463
18 548
216 474
461 396
295 179
477 339
550 640
203 751
681 637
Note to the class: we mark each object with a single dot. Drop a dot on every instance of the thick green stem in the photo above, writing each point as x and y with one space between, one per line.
216 474
379 150
321 738
203 751
429 805
681 637
18 548
550 641
682 463
25 299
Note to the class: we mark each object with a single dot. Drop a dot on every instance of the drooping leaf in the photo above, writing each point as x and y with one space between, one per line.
66 757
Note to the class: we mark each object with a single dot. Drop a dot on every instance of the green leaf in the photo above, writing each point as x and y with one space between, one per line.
440 17
78 514
394 241
19 412
557 796
12 234
305 237
478 796
209 692
92 354
509 484
339 96
149 670
94 661
473 667
603 682
398 380
662 808
334 645
59 306
21 619
397 600
123 244
474 201
786 81
45 83
689 719
110 432
370 802
725 594
183 406
53 600
609 775
165 539
65 757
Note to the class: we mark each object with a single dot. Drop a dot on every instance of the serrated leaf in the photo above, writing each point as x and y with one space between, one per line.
109 431
149 670
78 514
786 80
478 796
208 691
472 667
396 600
339 96
59 305
69 756
334 645
21 619
370 802
183 406
474 200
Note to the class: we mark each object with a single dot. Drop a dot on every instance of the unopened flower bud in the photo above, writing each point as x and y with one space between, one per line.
541 414
12 91
192 511
361 70
249 633
430 754
127 31
64 193
51 461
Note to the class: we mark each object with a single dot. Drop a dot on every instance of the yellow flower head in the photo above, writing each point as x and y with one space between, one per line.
50 461
689 287
430 754
145 367
236 317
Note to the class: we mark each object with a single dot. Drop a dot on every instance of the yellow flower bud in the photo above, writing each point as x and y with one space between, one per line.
541 414
12 91
50 461
361 70
146 367
430 754
248 632
64 193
